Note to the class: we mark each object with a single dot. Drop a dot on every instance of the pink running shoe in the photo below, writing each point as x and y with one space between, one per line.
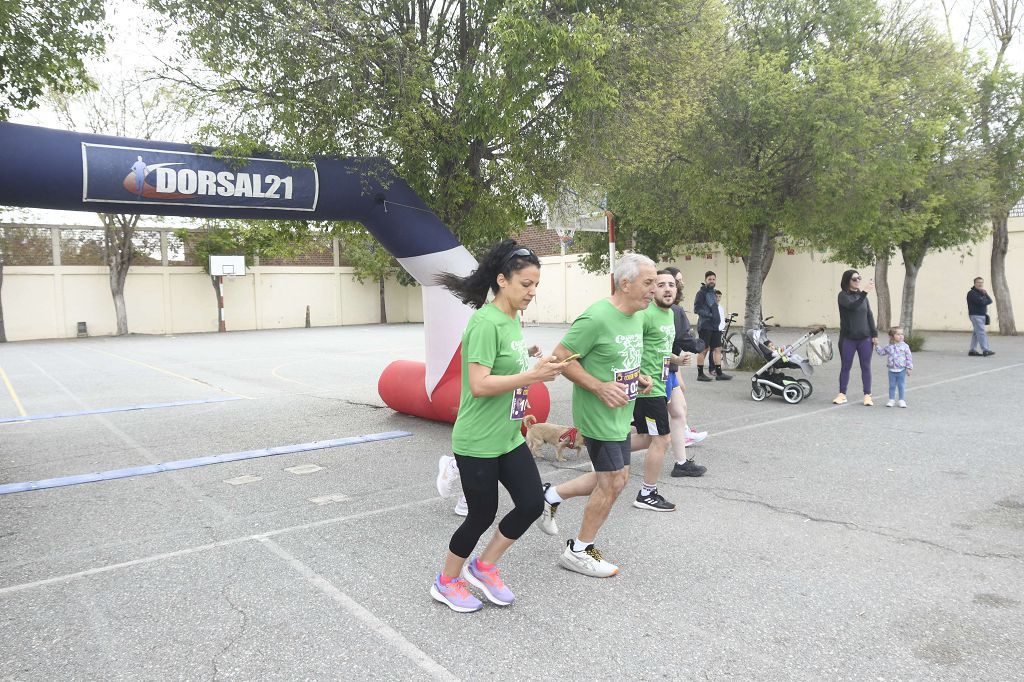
488 581
455 595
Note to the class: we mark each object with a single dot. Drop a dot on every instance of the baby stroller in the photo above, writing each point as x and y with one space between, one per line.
771 379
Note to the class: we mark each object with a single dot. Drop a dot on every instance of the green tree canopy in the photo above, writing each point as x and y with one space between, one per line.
473 101
43 46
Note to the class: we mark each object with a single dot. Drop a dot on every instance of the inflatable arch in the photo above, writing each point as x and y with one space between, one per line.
52 169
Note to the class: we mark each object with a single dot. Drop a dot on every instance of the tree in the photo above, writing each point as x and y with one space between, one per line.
919 173
127 105
1000 94
119 250
772 152
472 101
44 45
1002 127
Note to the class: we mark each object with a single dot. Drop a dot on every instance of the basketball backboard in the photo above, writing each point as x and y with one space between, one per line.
228 266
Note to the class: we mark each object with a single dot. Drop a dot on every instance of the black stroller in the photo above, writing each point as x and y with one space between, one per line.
771 378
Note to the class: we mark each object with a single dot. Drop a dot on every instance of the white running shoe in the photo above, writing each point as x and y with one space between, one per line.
588 562
890 403
695 437
461 507
902 403
546 522
447 475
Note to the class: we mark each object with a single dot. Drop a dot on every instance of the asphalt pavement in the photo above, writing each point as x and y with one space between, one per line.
824 543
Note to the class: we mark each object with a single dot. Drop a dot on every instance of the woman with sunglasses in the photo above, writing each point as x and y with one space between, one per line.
486 439
857 333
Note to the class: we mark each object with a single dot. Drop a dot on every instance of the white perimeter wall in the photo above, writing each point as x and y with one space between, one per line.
47 302
42 302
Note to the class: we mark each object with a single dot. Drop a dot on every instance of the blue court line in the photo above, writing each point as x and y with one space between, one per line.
105 410
27 486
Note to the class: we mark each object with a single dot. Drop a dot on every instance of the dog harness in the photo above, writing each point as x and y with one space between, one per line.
569 436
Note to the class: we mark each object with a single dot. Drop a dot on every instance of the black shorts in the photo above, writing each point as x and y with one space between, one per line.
607 455
712 338
650 415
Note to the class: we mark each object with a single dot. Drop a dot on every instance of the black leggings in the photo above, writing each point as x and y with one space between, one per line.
515 470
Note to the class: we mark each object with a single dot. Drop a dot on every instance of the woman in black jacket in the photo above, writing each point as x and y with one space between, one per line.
857 333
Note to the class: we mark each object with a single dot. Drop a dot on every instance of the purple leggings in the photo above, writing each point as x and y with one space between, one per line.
847 348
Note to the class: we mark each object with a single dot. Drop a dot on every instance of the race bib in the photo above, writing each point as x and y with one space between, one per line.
630 378
519 403
665 367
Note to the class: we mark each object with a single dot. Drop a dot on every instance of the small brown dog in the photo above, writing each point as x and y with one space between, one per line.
562 437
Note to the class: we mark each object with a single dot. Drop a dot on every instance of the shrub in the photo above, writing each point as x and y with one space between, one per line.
916 342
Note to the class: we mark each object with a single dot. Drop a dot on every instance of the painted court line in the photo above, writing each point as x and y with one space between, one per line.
393 638
165 371
106 410
10 389
26 486
99 570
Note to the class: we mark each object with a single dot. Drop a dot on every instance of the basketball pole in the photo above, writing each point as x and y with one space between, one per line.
220 303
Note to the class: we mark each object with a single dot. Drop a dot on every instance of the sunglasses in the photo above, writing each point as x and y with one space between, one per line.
855 279
518 253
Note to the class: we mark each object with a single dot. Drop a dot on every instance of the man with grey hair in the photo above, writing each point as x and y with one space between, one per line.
607 340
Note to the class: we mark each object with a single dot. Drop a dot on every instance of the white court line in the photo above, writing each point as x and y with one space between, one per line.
802 415
354 608
213 545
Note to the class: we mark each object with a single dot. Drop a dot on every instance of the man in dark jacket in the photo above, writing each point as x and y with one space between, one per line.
705 305
978 302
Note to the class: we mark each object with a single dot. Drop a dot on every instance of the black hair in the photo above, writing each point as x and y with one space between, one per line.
844 284
501 259
708 274
718 292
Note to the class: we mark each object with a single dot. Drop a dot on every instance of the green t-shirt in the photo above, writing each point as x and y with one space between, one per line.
610 344
490 426
659 333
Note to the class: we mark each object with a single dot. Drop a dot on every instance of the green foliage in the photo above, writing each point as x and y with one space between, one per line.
916 342
43 46
367 258
215 240
472 102
1000 118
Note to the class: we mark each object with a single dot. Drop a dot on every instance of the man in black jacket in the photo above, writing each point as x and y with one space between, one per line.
706 306
978 302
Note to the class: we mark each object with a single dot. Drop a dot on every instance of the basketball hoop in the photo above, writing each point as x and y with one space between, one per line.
572 213
565 238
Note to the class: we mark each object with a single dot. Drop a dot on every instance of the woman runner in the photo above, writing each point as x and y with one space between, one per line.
488 444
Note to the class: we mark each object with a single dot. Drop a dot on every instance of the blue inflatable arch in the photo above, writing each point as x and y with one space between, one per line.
52 169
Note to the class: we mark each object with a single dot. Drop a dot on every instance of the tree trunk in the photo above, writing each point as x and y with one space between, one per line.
383 306
883 300
117 237
757 262
1000 287
3 333
913 257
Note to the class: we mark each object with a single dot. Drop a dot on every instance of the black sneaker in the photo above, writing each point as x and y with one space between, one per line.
654 502
974 353
723 377
688 468
987 353
704 377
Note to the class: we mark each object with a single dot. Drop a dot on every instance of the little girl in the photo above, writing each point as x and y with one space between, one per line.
900 363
